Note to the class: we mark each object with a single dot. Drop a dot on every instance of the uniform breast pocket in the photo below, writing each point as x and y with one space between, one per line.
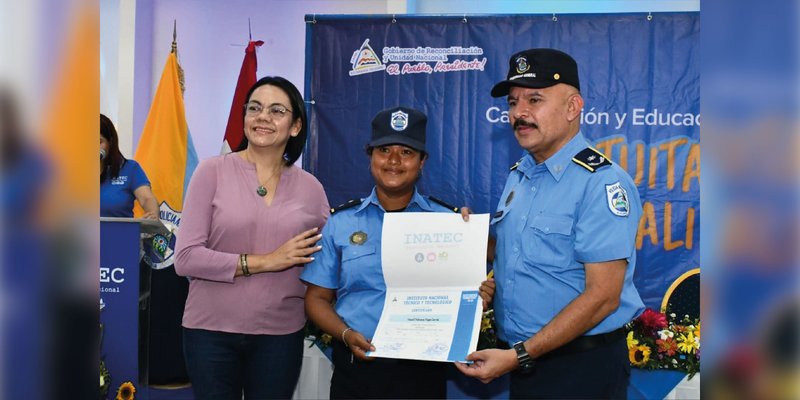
360 266
549 240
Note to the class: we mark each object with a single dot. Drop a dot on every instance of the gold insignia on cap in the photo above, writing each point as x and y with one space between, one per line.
358 238
556 76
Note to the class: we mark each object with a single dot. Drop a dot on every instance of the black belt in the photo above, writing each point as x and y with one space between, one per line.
579 344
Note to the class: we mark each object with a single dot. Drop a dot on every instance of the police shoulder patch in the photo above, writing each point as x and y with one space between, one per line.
346 205
443 204
591 159
618 200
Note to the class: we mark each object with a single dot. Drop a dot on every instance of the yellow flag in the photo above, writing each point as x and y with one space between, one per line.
166 152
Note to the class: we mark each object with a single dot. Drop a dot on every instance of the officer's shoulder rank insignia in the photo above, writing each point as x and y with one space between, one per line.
443 204
358 238
591 159
617 199
346 205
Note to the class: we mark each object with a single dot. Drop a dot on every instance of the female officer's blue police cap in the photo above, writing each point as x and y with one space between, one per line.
399 125
538 68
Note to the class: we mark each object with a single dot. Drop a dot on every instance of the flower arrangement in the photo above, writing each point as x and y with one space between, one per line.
105 375
105 380
126 391
317 337
658 341
487 338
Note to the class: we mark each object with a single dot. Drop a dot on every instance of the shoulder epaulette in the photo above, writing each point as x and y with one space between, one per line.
516 164
591 159
442 203
346 205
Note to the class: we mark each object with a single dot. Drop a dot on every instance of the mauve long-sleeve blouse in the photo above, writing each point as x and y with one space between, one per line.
223 216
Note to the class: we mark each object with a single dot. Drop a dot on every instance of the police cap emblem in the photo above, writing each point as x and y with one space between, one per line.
399 120
522 65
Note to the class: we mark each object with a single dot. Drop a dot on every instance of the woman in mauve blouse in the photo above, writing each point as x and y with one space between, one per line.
251 221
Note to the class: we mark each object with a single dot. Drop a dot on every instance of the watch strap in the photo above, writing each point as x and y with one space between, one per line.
526 363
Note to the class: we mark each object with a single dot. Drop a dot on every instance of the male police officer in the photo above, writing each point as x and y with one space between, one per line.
565 254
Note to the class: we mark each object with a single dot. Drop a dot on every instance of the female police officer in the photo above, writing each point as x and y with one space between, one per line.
349 267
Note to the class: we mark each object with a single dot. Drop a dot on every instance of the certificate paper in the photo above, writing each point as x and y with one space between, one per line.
433 265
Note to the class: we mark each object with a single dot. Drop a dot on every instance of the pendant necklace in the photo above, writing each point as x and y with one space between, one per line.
261 190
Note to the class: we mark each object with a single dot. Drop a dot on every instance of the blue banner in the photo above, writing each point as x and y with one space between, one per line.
119 305
639 78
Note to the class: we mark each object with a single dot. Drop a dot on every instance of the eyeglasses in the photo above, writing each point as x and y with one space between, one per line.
275 111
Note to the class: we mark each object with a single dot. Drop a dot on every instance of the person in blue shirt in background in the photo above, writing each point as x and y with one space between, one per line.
348 267
121 180
565 253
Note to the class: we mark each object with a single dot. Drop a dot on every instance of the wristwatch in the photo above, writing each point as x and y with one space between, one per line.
526 363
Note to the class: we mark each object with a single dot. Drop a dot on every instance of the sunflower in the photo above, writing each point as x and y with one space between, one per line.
688 343
126 391
639 355
631 340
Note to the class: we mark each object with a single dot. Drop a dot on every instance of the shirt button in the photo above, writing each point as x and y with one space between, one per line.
516 249
533 188
547 229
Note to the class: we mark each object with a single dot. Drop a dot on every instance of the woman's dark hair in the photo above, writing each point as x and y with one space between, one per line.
114 159
295 145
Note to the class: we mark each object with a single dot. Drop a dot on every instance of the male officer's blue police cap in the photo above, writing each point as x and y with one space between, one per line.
538 68
399 125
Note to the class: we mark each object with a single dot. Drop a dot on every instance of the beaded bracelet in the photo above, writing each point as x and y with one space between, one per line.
243 261
344 332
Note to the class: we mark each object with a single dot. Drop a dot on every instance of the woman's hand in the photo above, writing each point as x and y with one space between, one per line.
487 292
296 250
358 344
465 212
319 308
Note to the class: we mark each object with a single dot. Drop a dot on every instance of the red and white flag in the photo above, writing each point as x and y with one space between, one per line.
234 132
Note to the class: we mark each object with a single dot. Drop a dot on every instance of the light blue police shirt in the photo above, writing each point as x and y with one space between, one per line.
354 270
551 219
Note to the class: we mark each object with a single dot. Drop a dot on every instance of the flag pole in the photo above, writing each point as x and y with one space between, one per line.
175 36
175 51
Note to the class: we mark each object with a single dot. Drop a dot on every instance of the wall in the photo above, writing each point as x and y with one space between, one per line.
211 40
212 36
